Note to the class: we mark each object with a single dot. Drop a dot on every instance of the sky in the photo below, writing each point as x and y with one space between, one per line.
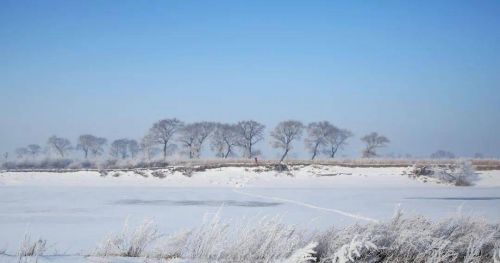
424 73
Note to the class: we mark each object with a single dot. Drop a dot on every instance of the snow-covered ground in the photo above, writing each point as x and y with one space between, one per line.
75 210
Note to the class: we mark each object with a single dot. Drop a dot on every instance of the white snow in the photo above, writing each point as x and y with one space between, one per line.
305 177
76 210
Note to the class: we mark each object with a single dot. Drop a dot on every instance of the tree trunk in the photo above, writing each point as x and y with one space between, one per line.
165 150
60 152
284 155
315 151
333 150
227 152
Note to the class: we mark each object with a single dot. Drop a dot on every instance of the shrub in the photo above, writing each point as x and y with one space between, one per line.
460 173
129 243
31 248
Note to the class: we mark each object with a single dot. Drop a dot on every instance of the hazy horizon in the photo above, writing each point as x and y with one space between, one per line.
425 74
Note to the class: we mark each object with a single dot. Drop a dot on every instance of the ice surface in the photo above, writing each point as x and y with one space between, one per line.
75 210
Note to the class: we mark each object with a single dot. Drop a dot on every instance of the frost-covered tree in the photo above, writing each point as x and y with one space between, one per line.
373 142
249 133
91 144
163 131
133 148
204 129
34 150
442 154
119 148
194 135
147 146
224 139
336 139
316 137
21 152
60 145
284 134
123 148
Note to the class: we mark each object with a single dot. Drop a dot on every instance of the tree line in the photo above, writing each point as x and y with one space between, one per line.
225 140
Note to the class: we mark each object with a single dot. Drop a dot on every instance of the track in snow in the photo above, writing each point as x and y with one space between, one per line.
347 214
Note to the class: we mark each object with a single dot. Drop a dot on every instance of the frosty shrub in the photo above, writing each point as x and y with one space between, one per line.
303 255
460 173
412 239
171 247
399 240
129 243
265 240
31 248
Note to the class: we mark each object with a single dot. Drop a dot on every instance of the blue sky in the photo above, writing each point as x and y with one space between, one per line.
424 73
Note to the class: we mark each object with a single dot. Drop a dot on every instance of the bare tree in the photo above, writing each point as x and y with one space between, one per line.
118 148
316 136
188 139
163 131
223 139
123 148
6 155
21 152
373 142
284 134
194 135
91 144
133 148
336 139
249 133
34 150
147 146
59 145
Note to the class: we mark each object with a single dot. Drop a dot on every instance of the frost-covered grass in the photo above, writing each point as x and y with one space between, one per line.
30 250
129 242
103 164
401 239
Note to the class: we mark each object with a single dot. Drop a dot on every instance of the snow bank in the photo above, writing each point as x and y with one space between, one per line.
258 176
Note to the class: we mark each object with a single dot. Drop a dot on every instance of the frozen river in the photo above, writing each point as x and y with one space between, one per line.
73 219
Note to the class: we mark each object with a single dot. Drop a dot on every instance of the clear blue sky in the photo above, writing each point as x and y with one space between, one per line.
424 73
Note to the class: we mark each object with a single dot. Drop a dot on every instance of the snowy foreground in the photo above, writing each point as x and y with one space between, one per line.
238 214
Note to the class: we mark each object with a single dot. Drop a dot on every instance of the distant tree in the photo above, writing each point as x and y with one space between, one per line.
336 139
60 145
224 139
6 155
21 152
284 134
442 154
478 156
163 131
249 133
373 142
316 137
119 148
133 148
193 136
188 139
91 144
34 150
147 146
123 148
